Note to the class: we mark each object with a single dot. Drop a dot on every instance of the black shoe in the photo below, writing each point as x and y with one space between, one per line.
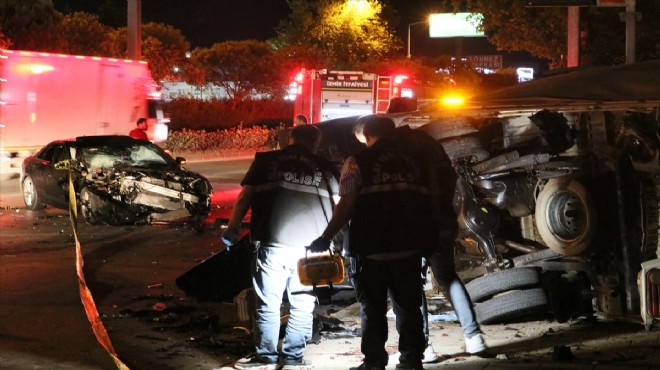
404 366
365 366
298 364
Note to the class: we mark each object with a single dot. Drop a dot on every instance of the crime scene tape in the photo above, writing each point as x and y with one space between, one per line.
85 294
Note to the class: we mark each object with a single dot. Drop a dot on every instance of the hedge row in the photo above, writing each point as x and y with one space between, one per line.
214 114
236 138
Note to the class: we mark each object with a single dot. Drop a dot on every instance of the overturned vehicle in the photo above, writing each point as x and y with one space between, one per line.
117 180
558 193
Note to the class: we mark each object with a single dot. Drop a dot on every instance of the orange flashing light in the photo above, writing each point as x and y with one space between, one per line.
453 100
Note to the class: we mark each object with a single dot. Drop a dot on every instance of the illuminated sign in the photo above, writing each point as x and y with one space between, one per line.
347 84
485 61
553 3
454 25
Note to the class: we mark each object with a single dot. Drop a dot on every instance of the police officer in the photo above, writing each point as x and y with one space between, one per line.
384 193
290 194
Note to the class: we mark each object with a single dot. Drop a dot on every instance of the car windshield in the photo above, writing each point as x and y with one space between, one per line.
132 155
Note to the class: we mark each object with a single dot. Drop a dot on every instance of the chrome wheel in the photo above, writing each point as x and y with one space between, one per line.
30 196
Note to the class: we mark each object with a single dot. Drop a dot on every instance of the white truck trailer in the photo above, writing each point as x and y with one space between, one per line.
45 97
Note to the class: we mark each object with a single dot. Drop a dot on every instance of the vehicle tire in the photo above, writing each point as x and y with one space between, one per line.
447 128
484 287
87 207
512 305
531 258
468 146
30 195
565 216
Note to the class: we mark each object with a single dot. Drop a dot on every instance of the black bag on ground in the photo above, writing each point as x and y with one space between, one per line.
222 276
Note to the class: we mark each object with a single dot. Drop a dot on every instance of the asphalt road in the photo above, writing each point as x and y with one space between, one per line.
131 272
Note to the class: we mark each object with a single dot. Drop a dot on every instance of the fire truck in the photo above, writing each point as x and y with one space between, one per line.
321 95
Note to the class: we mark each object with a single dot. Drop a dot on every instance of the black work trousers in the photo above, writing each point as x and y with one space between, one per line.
374 280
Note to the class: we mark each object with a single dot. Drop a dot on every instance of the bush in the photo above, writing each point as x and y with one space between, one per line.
237 138
212 115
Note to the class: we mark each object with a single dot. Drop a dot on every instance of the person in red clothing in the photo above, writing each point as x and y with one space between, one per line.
140 132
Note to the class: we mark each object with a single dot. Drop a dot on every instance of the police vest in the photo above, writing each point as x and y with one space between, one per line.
293 203
393 211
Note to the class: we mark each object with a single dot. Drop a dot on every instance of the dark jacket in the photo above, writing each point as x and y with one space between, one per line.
431 153
293 199
393 212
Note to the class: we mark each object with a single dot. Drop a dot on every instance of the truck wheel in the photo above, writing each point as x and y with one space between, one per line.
484 287
447 128
565 216
511 306
87 207
531 258
30 196
468 146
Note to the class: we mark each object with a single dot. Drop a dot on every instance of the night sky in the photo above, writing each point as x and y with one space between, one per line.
205 22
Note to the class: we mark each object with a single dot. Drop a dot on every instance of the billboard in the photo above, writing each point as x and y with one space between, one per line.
454 25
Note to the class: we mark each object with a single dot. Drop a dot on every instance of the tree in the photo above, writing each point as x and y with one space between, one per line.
84 34
348 31
291 59
163 47
241 68
5 43
511 26
31 25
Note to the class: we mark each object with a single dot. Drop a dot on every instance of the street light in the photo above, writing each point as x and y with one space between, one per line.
411 24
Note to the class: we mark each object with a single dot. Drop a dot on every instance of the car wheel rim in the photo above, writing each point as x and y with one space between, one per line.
84 204
567 215
28 191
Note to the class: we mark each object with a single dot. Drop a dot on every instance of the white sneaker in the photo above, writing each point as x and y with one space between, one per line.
429 356
475 344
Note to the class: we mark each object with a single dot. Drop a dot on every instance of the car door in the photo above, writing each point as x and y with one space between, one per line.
56 178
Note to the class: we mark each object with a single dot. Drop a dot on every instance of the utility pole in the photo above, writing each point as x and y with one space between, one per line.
134 29
411 24
573 41
631 18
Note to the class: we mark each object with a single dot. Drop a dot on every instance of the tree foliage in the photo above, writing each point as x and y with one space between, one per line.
163 47
31 24
511 26
5 43
348 31
84 34
292 58
240 68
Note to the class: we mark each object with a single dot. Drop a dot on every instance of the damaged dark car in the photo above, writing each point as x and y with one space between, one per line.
117 180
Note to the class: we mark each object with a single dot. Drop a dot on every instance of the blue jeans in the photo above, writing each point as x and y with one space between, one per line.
373 281
276 271
444 272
